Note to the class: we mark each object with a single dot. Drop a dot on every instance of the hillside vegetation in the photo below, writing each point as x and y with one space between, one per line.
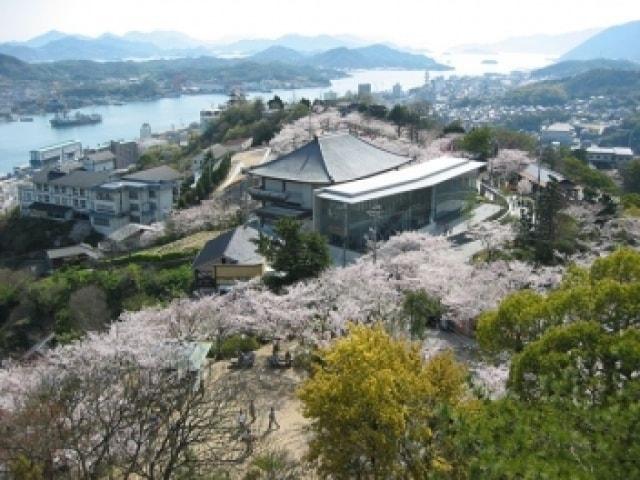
605 82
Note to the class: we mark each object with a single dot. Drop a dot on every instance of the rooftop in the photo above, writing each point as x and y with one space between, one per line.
75 178
415 177
101 156
546 175
611 150
237 245
331 159
559 127
68 143
157 174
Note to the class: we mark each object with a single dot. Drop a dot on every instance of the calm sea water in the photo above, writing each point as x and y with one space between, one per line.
123 122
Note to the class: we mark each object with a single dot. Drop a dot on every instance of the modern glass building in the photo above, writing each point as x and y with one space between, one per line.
411 198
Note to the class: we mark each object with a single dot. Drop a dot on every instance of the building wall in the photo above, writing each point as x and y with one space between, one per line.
406 211
127 153
56 155
301 193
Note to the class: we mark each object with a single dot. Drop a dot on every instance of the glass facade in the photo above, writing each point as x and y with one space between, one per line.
410 210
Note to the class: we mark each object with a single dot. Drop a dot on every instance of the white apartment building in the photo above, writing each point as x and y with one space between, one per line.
107 200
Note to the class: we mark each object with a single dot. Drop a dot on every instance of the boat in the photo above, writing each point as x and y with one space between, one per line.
64 120
26 119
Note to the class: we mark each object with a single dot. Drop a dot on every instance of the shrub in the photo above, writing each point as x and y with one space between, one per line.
237 343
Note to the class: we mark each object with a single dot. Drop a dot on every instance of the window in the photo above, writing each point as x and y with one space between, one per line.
46 198
39 187
133 195
83 204
75 191
135 207
152 194
56 189
75 202
102 222
104 196
45 187
82 192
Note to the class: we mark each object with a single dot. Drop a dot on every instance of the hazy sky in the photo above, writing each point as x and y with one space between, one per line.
417 23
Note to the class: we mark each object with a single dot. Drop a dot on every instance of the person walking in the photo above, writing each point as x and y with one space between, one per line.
272 419
252 411
242 421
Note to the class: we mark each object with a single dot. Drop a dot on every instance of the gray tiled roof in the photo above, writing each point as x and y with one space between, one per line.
100 156
157 174
237 244
331 159
76 178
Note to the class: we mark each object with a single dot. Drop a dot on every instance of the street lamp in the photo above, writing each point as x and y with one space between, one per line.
375 213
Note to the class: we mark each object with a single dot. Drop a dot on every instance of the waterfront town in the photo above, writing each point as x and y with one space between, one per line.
438 280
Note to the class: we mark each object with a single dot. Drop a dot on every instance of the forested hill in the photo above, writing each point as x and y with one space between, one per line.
571 68
606 82
373 56
196 69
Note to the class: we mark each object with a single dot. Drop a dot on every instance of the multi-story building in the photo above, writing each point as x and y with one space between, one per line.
609 157
107 200
127 153
207 117
71 192
364 90
145 131
99 161
561 133
347 187
56 155
285 185
143 197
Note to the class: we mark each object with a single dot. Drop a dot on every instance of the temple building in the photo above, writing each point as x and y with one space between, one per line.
285 185
347 188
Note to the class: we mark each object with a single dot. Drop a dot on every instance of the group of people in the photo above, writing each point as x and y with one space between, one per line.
245 426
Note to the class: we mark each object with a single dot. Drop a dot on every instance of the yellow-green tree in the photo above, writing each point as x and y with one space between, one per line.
374 406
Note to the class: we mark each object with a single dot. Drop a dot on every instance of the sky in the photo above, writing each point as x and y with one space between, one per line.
425 24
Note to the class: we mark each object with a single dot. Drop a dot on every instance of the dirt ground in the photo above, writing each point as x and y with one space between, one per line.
267 387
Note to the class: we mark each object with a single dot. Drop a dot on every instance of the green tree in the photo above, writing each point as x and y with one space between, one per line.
374 407
399 115
631 177
296 253
479 142
422 310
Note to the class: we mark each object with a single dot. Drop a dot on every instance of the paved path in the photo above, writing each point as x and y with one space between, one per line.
242 160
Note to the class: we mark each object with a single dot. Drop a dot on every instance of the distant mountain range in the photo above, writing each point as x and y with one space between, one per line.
321 51
300 43
552 45
55 45
372 56
618 42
